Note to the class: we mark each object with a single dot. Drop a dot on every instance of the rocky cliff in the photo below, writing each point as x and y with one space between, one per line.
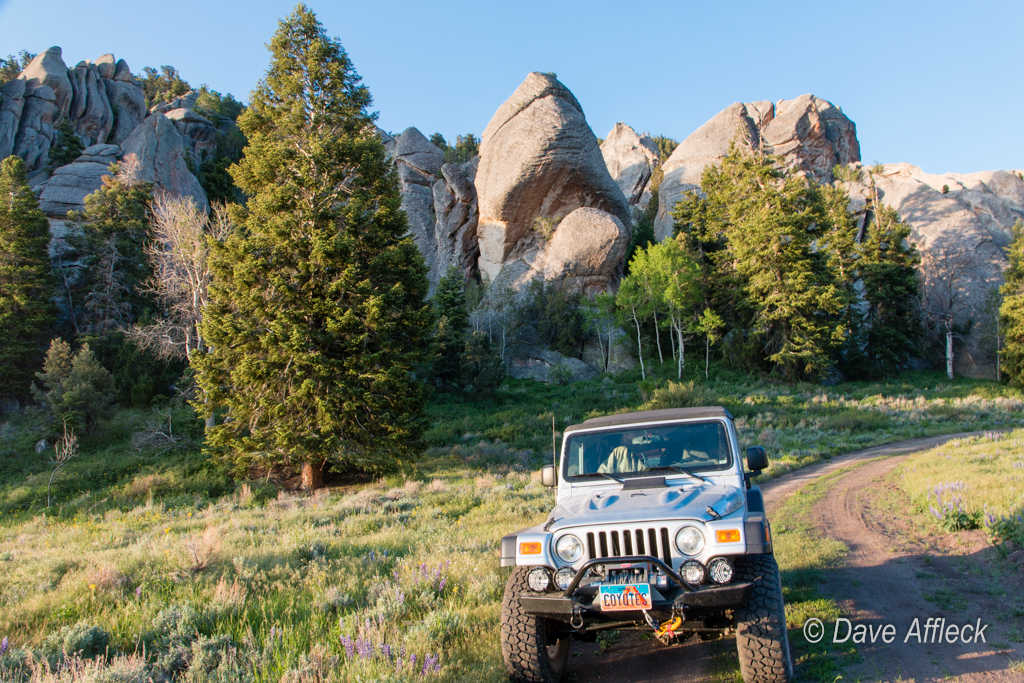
106 108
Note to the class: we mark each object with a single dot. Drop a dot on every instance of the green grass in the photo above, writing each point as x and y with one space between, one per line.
970 483
236 581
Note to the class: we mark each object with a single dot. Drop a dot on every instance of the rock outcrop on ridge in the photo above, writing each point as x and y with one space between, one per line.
631 159
67 188
961 225
539 163
811 134
161 153
442 211
106 108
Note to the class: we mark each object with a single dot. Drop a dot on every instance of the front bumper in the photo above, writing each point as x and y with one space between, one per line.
680 599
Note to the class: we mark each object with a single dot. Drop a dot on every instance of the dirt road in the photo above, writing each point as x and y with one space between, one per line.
892 575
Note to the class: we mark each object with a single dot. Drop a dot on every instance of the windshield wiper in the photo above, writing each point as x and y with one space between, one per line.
680 470
602 474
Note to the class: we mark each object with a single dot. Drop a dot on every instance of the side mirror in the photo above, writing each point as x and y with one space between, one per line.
757 459
548 477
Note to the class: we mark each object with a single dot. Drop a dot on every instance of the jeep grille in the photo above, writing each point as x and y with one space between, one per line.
649 541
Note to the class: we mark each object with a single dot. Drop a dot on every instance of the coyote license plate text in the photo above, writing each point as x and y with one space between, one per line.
625 598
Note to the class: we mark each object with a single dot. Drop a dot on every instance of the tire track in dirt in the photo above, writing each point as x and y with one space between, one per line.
633 659
894 574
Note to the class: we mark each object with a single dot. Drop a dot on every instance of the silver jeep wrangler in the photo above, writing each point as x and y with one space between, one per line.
656 526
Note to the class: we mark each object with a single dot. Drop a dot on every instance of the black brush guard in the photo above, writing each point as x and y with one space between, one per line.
684 600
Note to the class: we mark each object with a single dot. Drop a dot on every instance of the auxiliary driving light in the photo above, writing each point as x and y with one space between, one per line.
539 580
690 541
692 572
660 581
720 570
563 577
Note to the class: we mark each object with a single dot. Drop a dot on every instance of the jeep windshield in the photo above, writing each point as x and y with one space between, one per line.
664 449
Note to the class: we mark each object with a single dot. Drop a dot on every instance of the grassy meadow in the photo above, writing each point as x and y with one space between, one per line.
971 483
152 563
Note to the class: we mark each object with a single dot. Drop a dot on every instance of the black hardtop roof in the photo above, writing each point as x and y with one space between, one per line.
666 415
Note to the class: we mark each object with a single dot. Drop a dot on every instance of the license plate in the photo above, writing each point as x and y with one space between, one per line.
625 598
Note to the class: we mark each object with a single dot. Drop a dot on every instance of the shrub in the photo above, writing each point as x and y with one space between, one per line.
81 639
560 374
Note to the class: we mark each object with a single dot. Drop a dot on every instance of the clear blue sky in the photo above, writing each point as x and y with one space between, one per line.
938 84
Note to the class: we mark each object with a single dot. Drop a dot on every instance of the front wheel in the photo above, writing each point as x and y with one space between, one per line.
762 640
534 649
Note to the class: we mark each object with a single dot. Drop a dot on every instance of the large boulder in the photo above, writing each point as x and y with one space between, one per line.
588 246
631 159
810 134
48 68
539 162
162 154
527 361
197 128
67 189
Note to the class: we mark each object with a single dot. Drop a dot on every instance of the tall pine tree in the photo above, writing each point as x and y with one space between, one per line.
785 300
1011 312
452 318
26 286
891 331
317 311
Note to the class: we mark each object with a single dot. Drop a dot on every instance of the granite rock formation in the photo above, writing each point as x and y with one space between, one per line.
539 162
105 106
809 133
71 184
631 159
961 224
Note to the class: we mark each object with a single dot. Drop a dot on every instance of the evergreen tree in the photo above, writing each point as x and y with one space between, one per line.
113 233
67 146
891 331
26 285
112 238
452 318
317 310
78 389
1011 312
768 227
482 365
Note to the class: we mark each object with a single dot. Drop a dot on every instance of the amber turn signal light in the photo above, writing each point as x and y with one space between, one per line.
530 548
728 536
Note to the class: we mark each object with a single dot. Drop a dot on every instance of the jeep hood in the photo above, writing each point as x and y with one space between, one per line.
611 506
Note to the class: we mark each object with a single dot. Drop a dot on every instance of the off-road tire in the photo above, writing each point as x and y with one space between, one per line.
529 658
761 637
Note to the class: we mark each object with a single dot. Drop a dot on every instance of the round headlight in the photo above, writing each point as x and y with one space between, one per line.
563 577
569 549
692 572
689 540
720 570
539 580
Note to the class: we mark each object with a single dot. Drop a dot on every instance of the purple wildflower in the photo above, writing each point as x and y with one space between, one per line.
385 651
138 593
364 646
4 644
349 646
